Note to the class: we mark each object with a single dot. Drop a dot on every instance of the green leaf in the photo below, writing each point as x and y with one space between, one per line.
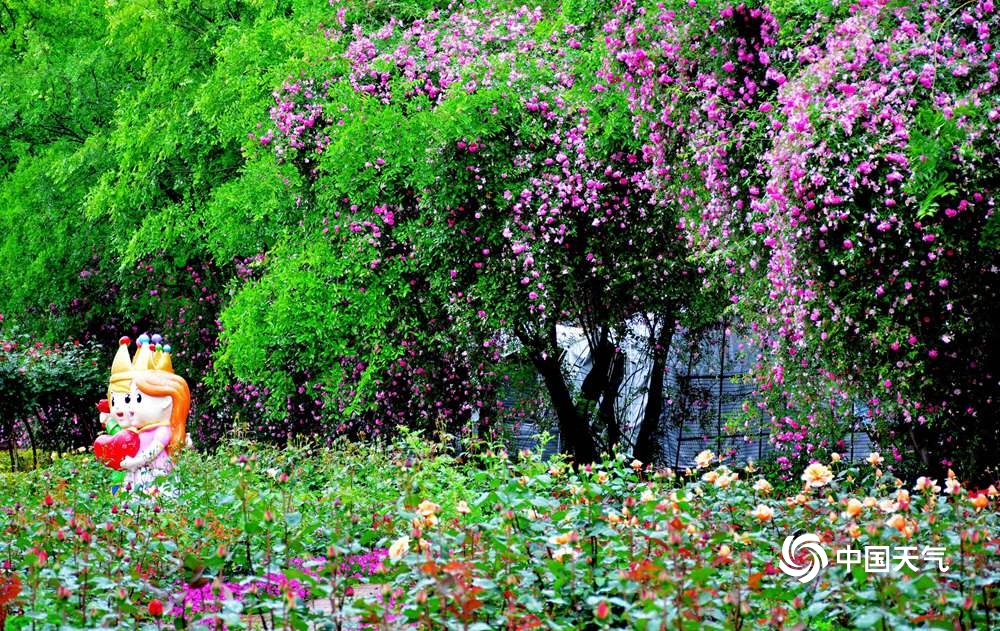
868 619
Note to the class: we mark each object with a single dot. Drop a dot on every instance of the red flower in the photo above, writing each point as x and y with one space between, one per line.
602 610
10 587
156 607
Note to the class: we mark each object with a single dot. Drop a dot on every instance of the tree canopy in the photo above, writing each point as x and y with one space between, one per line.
352 217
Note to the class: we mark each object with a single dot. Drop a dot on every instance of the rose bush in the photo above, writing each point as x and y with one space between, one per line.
491 541
44 395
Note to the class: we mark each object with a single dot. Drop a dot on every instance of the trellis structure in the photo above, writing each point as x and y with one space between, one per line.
710 392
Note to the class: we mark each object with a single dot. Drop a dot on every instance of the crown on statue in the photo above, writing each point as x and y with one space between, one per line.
151 354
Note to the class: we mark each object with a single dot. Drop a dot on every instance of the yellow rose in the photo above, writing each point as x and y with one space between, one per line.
725 552
704 459
399 547
428 508
763 512
817 475
854 507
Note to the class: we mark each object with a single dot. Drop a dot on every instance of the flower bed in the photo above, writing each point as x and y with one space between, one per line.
490 542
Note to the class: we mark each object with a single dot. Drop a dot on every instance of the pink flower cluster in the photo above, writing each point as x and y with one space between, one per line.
201 602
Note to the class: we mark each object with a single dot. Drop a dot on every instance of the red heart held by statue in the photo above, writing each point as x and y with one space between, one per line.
111 450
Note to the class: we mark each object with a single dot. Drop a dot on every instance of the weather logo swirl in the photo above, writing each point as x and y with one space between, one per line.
792 549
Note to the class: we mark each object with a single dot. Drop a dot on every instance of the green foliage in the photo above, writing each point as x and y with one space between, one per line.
179 133
806 21
57 87
44 242
932 144
130 190
131 119
314 305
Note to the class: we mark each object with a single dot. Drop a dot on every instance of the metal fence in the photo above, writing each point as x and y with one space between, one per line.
706 387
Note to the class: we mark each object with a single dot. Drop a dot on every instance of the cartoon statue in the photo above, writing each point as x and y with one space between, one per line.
150 403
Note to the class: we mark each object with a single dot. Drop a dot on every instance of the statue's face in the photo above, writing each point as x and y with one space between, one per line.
121 409
149 409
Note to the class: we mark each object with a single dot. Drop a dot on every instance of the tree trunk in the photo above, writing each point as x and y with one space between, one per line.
606 411
600 387
8 432
645 443
600 366
31 439
574 426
